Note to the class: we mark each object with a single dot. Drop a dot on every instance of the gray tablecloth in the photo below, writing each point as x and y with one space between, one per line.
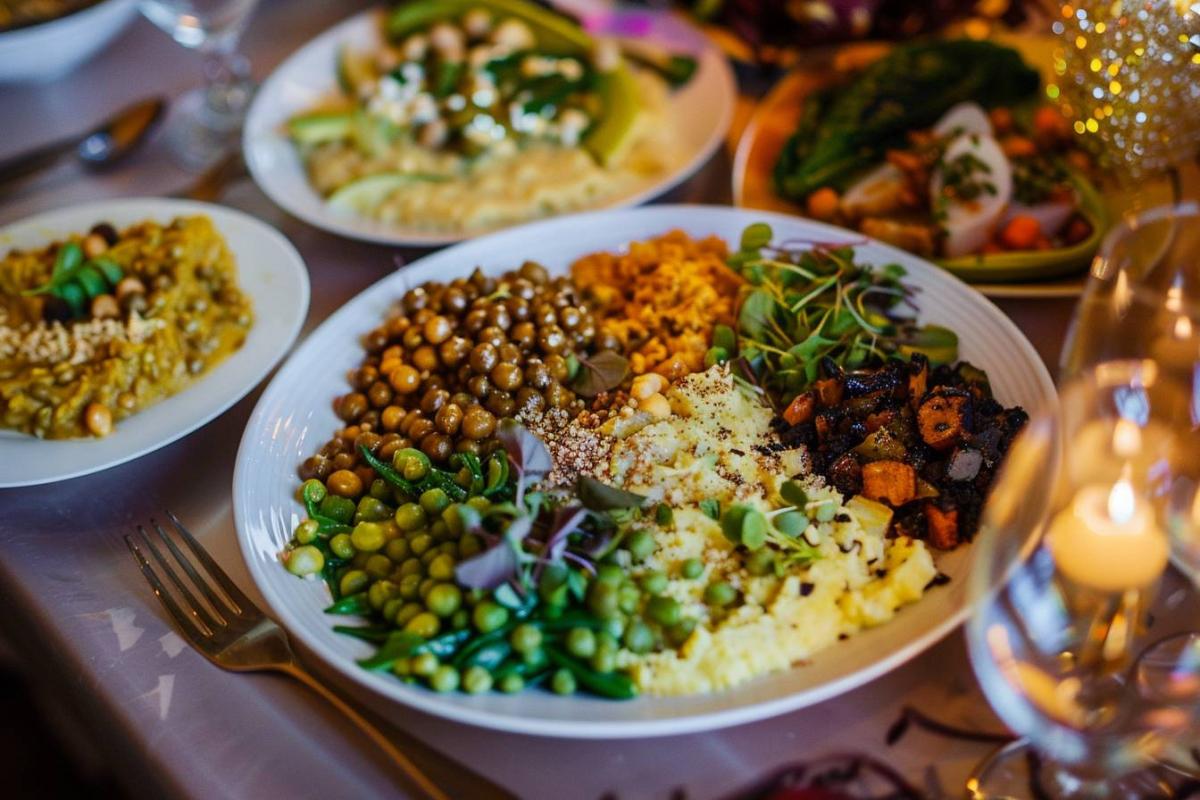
84 623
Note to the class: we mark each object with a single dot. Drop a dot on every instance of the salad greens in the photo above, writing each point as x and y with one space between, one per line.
844 131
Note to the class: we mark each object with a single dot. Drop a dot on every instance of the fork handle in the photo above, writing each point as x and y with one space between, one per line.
411 771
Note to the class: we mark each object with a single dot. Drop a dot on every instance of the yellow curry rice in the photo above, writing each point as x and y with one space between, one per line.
661 299
186 314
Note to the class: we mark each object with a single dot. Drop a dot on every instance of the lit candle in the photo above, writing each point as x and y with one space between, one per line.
1108 540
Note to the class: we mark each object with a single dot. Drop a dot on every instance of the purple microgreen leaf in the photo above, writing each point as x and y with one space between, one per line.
602 372
599 496
490 569
567 520
581 561
528 455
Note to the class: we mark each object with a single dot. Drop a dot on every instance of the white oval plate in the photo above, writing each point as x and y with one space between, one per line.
270 271
702 109
295 417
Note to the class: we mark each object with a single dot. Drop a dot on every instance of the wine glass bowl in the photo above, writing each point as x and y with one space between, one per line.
1075 545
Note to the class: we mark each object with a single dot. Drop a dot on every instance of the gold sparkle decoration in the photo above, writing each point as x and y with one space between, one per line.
1128 74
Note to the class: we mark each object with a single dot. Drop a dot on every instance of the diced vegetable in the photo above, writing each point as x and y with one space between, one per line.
891 482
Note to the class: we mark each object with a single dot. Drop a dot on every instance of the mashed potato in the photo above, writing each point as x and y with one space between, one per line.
712 448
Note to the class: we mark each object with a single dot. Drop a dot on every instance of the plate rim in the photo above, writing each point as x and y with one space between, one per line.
429 703
1063 287
160 208
413 238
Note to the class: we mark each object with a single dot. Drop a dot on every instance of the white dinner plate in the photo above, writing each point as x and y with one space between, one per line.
702 109
295 417
269 270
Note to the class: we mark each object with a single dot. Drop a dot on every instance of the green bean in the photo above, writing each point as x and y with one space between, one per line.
400 644
367 633
354 604
489 657
339 509
613 684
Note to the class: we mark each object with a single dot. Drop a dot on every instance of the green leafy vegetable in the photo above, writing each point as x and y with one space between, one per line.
602 372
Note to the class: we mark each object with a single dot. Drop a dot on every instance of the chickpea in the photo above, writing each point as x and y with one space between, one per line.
544 314
448 419
104 306
405 379
479 386
534 272
345 483
315 467
557 366
128 287
94 245
462 399
484 358
454 350
454 300
414 300
523 334
433 400
478 423
437 329
530 401
98 419
558 396
518 308
499 317
420 428
391 418
437 446
368 440
491 335
551 339
425 358
379 395
343 460
375 341
476 320
506 377
501 404
537 375
351 406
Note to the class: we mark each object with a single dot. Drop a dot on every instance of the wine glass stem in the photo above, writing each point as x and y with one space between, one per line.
227 84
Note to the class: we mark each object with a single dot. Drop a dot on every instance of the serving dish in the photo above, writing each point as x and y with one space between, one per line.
1018 274
295 414
48 50
270 272
701 109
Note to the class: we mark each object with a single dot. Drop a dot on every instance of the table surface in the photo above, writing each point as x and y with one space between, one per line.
82 619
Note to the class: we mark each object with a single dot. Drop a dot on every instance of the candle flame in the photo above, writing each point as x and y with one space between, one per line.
1121 502
1183 328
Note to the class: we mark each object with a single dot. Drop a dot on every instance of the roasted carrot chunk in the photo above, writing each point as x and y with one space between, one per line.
942 527
942 420
891 482
879 419
801 409
829 391
918 378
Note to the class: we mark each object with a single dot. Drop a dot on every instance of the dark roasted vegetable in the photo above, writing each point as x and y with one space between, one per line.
906 90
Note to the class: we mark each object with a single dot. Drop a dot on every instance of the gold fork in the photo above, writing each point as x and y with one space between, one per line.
233 633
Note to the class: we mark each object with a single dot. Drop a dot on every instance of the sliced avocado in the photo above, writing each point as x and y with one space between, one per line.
555 33
354 71
675 68
364 195
321 126
612 134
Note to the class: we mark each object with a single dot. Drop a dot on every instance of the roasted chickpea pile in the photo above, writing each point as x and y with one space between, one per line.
452 360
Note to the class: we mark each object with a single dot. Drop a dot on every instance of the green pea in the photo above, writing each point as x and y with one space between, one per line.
760 562
413 464
525 637
424 624
424 664
641 545
353 582
610 573
681 631
371 509
410 586
470 545
477 680
489 615
428 556
719 594
608 641
692 568
341 546
445 679
305 560
826 511
380 490
397 550
412 566
440 530
402 667
791 523
638 637
427 584
603 599
444 599
306 532
512 683
378 565
581 642
615 625
442 568
380 592
535 659
563 682
407 612
313 490
391 607
654 582
603 660
420 543
434 501
664 610
410 517
460 619
449 548
479 503
453 519
628 598
339 509
367 537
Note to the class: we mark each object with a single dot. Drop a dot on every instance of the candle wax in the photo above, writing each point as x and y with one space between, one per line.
1105 551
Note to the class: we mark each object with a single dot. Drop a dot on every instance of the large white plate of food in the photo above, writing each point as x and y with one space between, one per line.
126 324
633 473
436 121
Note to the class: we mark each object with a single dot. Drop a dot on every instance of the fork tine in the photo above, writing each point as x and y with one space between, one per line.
208 624
218 604
185 624
240 602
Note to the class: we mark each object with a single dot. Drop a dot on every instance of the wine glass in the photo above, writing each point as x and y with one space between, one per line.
1074 552
207 119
